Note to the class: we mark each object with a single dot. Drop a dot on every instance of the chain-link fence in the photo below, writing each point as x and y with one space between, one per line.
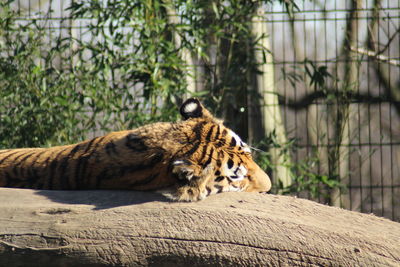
359 45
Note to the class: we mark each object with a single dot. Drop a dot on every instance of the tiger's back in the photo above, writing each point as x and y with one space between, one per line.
105 162
198 156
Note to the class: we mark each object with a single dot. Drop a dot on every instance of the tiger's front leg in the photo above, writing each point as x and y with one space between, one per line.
192 180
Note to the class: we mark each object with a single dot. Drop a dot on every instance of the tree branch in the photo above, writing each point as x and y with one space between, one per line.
345 97
376 56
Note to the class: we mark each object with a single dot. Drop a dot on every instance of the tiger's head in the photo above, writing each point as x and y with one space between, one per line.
215 158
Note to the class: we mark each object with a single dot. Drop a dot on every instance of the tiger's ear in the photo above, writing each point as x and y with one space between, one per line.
192 108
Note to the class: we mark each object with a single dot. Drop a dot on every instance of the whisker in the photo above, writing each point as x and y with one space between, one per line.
257 149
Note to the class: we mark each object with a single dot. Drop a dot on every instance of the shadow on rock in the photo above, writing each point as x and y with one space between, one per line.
102 199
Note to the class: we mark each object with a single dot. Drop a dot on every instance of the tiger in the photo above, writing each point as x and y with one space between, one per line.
186 160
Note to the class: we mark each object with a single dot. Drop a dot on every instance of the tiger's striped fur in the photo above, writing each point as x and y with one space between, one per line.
198 156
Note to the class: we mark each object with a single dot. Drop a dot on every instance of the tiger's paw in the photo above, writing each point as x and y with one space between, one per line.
190 194
183 194
192 180
183 170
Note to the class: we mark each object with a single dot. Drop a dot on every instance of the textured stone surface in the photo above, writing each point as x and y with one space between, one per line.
122 228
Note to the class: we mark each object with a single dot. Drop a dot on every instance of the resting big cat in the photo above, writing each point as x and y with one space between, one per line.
195 157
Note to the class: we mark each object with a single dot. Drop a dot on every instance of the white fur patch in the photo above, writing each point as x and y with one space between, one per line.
240 143
247 149
234 189
178 162
190 107
237 138
225 171
235 173
242 171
